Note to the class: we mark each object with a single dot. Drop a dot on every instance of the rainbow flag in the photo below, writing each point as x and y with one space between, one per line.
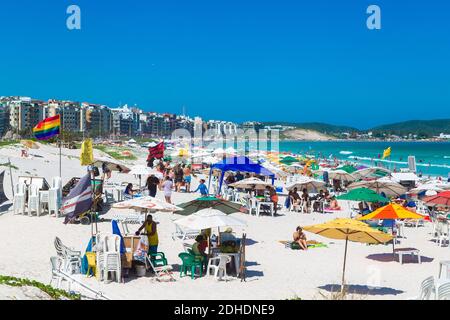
47 128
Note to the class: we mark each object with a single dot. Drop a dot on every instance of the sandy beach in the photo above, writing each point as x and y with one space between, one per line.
273 272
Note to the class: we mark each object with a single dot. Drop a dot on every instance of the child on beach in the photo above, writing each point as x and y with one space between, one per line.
202 188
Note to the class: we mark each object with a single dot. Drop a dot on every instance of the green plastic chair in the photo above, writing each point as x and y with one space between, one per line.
197 257
158 259
189 264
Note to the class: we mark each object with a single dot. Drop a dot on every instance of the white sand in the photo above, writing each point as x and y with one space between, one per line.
273 272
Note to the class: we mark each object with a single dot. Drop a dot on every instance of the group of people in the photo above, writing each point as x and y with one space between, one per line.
320 199
173 179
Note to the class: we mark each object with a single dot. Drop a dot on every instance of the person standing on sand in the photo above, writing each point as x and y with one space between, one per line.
167 187
152 234
187 178
152 185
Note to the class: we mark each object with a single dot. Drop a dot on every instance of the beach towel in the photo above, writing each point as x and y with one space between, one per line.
295 246
84 261
116 230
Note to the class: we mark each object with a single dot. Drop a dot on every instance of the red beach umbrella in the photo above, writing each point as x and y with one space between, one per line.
442 198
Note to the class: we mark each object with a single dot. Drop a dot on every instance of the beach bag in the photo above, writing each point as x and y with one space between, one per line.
142 249
295 246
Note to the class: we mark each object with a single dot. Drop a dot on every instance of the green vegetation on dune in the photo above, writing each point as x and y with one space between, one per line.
116 152
52 292
8 143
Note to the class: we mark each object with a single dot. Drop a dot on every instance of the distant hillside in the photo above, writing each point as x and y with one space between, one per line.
426 128
316 126
421 128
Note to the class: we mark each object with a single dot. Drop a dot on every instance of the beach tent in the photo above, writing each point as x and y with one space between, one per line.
239 163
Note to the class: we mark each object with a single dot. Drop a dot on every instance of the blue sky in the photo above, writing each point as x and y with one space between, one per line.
235 59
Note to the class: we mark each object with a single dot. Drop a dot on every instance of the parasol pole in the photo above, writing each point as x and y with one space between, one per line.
343 269
10 176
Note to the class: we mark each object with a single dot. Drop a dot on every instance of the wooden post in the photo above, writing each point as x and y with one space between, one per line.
343 269
242 266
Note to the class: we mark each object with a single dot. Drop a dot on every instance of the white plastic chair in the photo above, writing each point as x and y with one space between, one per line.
111 256
54 202
442 234
219 269
427 288
34 203
443 291
57 276
57 184
19 198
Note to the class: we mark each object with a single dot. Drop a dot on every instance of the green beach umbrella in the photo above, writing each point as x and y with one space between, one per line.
289 160
224 206
348 168
363 194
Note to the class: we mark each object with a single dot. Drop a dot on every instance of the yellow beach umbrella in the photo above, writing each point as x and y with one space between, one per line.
349 230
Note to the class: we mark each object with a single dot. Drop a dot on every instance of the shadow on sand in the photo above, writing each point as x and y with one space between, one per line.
360 289
389 257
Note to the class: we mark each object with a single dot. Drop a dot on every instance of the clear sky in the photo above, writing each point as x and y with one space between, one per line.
235 59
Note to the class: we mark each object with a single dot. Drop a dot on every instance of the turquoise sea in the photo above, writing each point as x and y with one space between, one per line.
432 158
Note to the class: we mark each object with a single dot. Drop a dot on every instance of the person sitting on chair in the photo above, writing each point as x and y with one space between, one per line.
300 238
129 192
199 247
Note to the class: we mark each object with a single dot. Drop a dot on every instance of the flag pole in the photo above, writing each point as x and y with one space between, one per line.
60 161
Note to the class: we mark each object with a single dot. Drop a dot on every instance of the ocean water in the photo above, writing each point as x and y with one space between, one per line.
432 158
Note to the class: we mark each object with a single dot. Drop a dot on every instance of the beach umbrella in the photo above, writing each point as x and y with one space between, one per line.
210 160
311 185
209 218
289 160
368 172
141 170
387 186
112 165
230 150
442 198
222 205
146 203
426 187
251 183
363 194
340 175
218 151
392 211
349 230
347 168
29 144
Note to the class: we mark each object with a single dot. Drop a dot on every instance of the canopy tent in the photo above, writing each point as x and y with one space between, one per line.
241 164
